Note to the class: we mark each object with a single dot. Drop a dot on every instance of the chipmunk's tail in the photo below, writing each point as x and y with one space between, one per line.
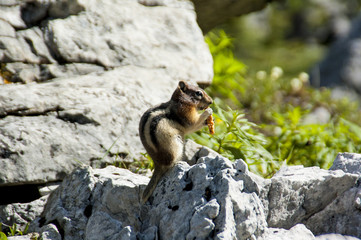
157 175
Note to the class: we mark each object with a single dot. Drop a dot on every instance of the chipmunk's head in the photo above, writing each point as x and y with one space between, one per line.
192 94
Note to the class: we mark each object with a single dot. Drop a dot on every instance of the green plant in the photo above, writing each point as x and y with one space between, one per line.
3 236
279 105
311 144
136 166
13 230
237 138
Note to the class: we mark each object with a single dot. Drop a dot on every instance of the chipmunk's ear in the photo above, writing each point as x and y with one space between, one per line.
182 85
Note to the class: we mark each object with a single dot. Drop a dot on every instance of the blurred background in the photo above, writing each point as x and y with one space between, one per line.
287 84
292 34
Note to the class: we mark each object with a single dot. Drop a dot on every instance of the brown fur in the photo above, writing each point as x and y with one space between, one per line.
162 128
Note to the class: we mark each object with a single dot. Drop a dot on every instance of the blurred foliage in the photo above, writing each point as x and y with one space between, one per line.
283 107
292 34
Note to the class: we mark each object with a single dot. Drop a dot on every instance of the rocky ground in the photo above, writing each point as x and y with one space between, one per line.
77 75
212 199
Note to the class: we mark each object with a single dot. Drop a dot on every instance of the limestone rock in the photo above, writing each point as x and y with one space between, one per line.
211 199
298 232
62 123
343 214
226 205
335 236
297 193
104 64
107 34
21 213
95 204
50 232
348 162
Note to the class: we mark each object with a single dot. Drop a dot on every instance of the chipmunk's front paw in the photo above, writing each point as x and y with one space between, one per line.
208 111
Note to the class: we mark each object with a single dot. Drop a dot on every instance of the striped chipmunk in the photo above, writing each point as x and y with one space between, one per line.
162 128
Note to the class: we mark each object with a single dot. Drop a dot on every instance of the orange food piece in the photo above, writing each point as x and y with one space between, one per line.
210 124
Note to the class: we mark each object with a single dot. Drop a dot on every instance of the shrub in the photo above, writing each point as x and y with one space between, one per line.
279 106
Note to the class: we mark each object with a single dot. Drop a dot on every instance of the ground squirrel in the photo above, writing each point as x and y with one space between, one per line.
162 128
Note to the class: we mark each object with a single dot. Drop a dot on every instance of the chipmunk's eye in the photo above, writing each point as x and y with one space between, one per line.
199 94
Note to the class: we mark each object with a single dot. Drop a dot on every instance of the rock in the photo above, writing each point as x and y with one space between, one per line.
335 236
297 193
11 13
210 199
61 124
21 213
110 35
25 237
226 206
348 162
101 201
298 232
50 232
103 66
343 214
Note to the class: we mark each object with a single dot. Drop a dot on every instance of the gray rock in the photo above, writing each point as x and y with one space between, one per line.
297 193
96 204
25 237
50 232
102 226
61 124
112 34
348 162
6 29
22 213
226 206
207 200
298 232
11 13
108 63
335 236
342 216
213 199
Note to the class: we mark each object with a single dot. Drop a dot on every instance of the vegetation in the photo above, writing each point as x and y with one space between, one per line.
286 134
292 34
15 231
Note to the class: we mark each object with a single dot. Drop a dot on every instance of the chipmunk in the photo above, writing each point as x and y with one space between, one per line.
162 128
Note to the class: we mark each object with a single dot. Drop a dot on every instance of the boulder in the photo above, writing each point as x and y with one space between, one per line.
343 214
297 193
298 232
101 65
348 162
213 198
21 213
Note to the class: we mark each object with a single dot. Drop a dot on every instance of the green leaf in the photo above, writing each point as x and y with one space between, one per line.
3 236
